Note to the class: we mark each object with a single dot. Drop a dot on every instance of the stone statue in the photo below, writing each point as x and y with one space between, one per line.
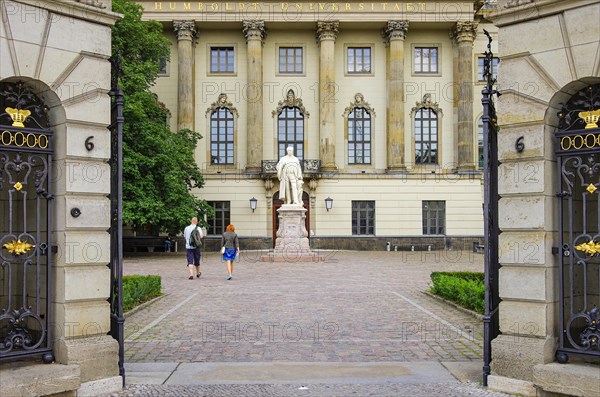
290 178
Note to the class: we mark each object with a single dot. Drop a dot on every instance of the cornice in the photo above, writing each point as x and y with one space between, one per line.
76 10
511 12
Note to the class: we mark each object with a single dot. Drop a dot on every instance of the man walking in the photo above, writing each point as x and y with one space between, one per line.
193 251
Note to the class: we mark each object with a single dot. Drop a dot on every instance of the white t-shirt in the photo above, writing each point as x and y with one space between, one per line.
187 232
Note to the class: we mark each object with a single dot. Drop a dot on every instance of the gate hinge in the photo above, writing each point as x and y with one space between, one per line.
555 251
563 194
54 249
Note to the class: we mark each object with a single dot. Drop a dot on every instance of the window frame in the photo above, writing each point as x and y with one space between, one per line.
495 64
480 140
225 217
369 216
288 46
163 72
427 218
363 142
295 143
209 70
417 119
227 143
438 49
347 49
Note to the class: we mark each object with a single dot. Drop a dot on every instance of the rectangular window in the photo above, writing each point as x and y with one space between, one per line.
363 218
217 224
359 60
494 68
162 67
221 60
290 59
434 217
426 60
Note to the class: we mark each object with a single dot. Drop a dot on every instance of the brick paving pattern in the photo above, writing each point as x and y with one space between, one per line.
355 307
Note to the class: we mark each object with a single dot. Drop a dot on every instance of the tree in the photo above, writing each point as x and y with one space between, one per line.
159 169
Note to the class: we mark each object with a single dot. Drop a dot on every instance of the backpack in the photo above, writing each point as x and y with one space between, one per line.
195 238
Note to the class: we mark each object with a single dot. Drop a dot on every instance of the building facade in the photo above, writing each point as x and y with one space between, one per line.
549 279
54 211
380 101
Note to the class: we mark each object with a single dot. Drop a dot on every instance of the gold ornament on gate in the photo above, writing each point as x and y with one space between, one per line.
591 248
591 188
18 116
18 247
591 118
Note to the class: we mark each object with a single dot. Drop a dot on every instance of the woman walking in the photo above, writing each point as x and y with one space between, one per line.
231 245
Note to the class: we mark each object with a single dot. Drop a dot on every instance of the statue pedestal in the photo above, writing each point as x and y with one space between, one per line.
292 238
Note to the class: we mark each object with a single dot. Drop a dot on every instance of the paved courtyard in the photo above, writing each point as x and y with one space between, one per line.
357 323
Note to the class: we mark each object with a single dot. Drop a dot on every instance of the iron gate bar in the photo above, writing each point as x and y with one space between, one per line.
26 157
578 179
490 211
117 320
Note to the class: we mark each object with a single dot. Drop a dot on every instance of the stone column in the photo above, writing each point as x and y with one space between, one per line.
254 31
326 35
464 34
394 34
185 32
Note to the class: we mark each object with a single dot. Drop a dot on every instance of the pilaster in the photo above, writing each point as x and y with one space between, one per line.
186 33
464 35
255 33
394 34
326 35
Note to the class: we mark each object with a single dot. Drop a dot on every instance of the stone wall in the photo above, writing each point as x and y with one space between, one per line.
558 57
62 52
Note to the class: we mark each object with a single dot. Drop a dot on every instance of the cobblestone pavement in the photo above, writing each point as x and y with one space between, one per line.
355 307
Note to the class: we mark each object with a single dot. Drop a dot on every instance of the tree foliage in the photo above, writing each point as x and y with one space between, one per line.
159 169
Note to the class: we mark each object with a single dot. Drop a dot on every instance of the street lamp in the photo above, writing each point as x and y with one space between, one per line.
328 203
253 202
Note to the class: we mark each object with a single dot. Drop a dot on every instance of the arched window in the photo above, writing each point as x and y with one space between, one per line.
221 136
426 136
290 114
222 131
480 143
290 132
359 136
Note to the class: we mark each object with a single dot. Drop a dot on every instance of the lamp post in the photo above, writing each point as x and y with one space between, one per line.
328 203
253 202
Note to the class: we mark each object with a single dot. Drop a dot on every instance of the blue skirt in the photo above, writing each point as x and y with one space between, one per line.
229 254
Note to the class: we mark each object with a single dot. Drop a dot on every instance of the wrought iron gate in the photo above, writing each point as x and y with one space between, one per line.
491 327
25 224
578 158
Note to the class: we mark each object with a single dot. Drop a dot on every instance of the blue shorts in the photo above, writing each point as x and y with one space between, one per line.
193 256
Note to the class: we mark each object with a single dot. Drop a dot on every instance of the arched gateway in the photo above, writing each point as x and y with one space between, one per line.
578 156
26 145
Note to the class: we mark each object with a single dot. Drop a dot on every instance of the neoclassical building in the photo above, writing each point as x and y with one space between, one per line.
380 101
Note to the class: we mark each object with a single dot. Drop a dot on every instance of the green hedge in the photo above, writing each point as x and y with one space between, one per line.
139 289
464 288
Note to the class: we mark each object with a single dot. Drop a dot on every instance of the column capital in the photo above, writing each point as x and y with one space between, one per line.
394 30
464 32
327 30
185 30
254 30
